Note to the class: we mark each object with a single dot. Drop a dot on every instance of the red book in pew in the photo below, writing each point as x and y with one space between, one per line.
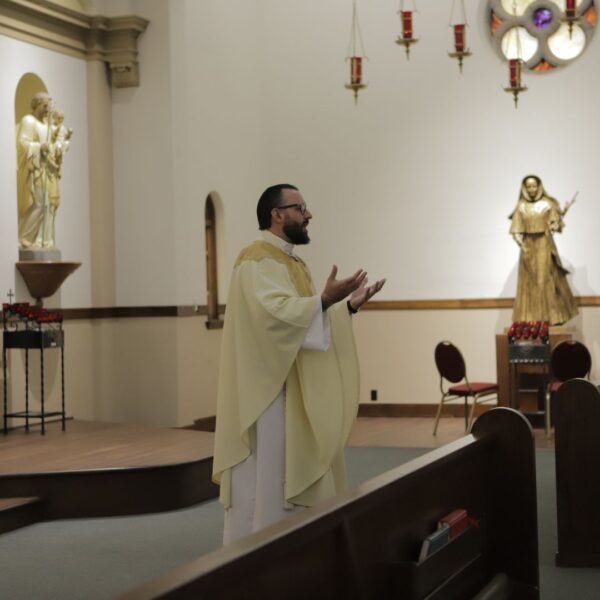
457 520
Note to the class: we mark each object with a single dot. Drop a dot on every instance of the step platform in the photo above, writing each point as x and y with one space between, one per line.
98 469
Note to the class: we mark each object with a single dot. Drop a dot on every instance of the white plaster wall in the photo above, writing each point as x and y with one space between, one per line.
193 126
163 372
65 78
128 370
396 348
219 132
415 183
109 8
143 172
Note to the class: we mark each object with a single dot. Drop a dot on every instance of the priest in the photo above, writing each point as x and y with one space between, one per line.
288 379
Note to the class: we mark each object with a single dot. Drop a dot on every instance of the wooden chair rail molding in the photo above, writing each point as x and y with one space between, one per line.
129 312
458 303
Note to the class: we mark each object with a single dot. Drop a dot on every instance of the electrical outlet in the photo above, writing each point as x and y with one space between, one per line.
373 395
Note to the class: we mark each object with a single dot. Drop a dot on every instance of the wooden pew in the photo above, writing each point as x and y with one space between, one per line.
576 423
364 544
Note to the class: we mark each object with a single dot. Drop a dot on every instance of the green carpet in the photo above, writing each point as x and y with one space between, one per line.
99 558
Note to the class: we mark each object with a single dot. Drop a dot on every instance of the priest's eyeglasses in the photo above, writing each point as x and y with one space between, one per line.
300 207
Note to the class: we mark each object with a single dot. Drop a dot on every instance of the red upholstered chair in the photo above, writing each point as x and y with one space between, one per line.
451 367
569 360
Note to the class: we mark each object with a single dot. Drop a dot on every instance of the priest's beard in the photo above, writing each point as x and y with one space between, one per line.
295 232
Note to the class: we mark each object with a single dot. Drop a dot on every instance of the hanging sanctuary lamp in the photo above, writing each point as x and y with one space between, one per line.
458 22
570 15
515 63
356 56
515 85
406 12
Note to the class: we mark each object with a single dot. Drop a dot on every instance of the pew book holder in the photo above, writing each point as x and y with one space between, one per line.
433 577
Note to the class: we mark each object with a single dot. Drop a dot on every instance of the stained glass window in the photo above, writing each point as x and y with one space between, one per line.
544 33
542 18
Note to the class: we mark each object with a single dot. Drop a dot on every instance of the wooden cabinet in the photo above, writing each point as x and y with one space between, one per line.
522 385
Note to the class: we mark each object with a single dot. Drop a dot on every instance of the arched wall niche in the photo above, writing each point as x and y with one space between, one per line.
213 221
29 85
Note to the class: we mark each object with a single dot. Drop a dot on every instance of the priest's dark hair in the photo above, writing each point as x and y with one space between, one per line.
270 199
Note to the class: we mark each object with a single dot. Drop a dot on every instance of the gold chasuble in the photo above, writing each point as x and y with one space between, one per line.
271 304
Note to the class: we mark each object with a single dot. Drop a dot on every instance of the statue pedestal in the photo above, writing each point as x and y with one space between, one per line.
45 254
44 277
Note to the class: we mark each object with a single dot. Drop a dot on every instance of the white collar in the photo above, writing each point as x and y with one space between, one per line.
271 238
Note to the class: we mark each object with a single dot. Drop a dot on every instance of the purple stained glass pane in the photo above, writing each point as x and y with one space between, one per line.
542 18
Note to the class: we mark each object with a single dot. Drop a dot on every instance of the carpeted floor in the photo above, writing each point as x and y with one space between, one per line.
100 558
557 583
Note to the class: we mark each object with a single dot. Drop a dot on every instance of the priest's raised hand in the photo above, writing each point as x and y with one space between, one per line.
354 286
364 293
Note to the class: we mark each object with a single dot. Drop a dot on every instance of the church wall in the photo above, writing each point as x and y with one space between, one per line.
109 8
220 133
192 127
415 183
155 371
102 210
158 371
396 348
177 137
143 173
198 351
163 371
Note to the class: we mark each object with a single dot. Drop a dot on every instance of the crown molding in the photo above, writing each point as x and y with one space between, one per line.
112 40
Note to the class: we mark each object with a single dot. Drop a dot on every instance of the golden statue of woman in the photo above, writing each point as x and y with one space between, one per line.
543 293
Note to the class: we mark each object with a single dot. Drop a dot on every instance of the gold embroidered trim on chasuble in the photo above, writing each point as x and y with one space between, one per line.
297 269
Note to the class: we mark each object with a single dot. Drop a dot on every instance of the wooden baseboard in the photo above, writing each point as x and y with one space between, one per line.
375 409
204 424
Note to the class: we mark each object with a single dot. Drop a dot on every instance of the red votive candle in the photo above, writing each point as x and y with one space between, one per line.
459 37
407 26
570 9
355 70
514 65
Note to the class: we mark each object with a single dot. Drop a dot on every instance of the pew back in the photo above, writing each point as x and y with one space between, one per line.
576 422
365 543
